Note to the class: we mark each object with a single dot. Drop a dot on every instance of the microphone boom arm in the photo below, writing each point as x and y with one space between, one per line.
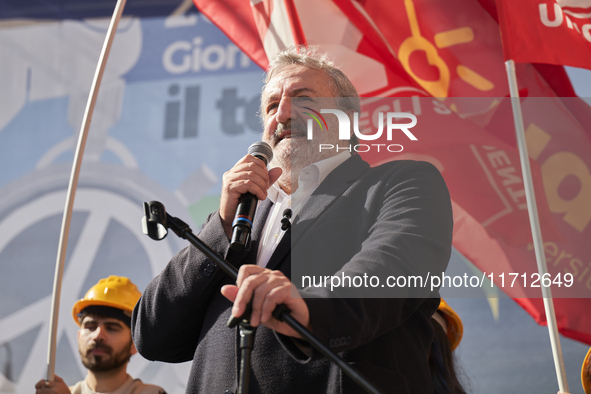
155 223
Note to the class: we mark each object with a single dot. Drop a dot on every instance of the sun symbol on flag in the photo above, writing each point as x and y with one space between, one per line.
446 39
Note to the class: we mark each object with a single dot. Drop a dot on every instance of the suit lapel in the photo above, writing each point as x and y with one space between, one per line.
281 251
331 188
260 219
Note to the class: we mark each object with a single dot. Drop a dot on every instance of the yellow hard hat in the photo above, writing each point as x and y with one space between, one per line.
455 328
115 292
586 373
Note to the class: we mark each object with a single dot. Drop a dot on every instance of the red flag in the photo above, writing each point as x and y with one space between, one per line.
452 50
235 19
546 31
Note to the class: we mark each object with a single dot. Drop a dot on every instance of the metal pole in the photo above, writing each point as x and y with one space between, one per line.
535 227
63 242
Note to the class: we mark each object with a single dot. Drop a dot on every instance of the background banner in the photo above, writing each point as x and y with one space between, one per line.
177 107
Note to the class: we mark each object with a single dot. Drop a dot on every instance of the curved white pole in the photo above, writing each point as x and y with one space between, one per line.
63 242
535 227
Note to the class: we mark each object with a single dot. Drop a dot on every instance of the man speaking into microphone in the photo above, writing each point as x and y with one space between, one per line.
347 219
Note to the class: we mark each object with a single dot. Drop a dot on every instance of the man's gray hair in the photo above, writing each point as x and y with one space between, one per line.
310 57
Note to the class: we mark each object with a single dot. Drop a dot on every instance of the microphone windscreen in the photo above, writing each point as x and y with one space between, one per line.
262 150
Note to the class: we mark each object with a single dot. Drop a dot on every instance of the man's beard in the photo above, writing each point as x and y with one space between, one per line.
295 153
107 362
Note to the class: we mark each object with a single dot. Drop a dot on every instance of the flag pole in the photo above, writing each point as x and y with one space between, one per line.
535 227
66 219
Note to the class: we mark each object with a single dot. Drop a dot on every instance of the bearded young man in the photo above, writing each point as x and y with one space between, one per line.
104 342
348 219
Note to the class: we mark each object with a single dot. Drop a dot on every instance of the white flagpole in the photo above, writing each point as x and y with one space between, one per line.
63 242
535 227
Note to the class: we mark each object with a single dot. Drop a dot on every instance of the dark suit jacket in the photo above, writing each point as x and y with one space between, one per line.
394 219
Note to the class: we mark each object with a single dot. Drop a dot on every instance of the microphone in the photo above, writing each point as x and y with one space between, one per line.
285 223
248 202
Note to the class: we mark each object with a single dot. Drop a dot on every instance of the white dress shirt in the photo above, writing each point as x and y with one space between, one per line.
310 178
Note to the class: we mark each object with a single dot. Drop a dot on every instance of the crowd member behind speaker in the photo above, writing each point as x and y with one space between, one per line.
348 218
586 373
104 342
448 329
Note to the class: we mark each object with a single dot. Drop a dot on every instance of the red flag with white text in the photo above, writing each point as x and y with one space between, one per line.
546 31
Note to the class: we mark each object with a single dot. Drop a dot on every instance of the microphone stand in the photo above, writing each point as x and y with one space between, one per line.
155 224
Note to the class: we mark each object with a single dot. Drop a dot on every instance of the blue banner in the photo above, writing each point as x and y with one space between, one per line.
177 107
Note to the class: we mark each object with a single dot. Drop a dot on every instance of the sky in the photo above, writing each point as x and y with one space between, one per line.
581 80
